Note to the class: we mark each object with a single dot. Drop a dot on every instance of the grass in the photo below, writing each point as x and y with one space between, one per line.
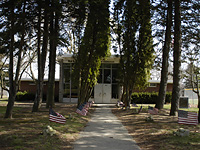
3 101
191 142
25 130
159 133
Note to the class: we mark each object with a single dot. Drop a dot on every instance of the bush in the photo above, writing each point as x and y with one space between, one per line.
24 96
168 97
148 98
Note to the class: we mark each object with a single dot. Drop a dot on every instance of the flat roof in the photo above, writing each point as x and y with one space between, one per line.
68 58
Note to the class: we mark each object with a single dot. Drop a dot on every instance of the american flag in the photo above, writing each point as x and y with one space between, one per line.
186 117
56 117
86 106
152 110
81 110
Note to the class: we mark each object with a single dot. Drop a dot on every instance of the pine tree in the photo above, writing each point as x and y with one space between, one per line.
14 13
54 34
177 59
94 47
165 58
137 45
41 50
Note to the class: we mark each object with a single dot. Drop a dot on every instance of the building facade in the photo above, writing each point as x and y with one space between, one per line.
154 86
107 90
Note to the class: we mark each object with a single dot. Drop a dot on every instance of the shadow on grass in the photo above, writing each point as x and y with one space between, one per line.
158 134
25 130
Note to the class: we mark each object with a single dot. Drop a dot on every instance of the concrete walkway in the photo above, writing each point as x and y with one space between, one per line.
105 132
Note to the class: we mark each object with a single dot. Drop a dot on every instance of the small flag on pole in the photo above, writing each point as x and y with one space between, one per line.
152 110
81 110
56 117
186 117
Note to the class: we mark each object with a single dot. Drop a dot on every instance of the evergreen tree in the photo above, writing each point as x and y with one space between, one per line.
41 49
137 45
94 47
165 58
54 34
177 58
13 35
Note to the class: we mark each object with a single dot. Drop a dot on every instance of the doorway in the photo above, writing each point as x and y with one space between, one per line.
102 93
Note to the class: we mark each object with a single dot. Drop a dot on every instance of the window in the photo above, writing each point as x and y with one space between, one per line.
115 76
32 83
70 82
67 75
99 78
152 85
115 92
107 76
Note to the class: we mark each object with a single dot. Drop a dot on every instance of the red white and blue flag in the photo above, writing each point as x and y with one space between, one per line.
56 117
186 117
81 110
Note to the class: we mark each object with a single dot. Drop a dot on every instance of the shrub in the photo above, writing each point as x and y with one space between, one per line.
24 96
148 98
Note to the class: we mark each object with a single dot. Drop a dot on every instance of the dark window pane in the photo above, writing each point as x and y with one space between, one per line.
66 91
115 65
115 78
107 76
66 75
99 78
92 95
66 66
115 88
74 93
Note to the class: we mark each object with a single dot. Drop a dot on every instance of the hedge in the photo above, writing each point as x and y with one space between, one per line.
26 96
148 98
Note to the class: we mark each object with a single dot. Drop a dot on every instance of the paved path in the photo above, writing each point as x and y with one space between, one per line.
105 132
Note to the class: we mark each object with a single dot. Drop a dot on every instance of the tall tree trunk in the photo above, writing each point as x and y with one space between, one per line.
177 59
41 55
195 87
13 85
11 97
79 87
2 82
52 59
38 95
165 57
198 95
17 73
